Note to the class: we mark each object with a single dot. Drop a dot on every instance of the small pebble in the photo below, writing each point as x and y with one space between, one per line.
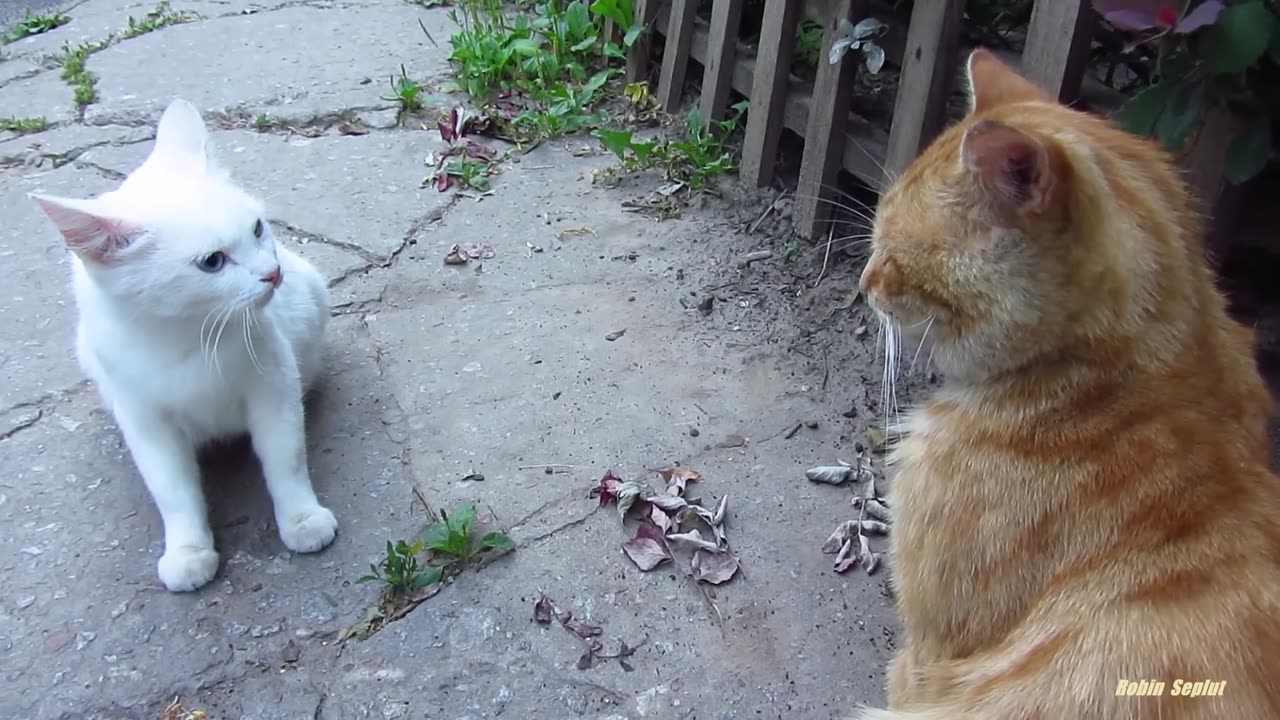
812 424
693 432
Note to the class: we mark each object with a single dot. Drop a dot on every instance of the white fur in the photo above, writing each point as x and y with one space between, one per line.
182 356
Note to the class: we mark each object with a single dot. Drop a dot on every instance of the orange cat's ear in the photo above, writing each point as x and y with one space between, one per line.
1013 168
992 83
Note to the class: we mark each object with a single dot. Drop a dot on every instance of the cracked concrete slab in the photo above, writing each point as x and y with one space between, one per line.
363 192
501 367
58 145
248 64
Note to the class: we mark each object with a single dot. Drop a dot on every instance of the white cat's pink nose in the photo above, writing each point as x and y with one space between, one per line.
273 276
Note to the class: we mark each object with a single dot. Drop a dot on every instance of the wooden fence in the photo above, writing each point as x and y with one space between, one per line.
930 59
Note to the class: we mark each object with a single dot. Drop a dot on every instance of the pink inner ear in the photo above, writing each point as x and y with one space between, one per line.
1010 162
93 235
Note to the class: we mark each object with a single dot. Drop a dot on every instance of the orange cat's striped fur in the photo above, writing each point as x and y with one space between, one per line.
1087 499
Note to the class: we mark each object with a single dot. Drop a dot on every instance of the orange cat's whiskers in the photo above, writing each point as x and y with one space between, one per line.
920 347
892 356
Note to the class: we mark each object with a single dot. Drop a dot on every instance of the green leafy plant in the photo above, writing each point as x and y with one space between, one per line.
36 24
157 17
454 535
407 92
450 541
691 159
544 61
1203 56
74 71
23 124
470 173
808 43
261 122
567 111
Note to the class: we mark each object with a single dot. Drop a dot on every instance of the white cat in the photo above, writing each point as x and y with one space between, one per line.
195 326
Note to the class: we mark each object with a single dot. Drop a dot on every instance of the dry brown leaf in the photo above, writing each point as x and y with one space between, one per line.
829 474
717 518
869 560
678 478
846 557
842 535
694 538
647 549
542 611
714 567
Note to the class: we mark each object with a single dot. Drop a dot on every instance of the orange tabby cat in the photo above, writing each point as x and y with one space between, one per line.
1086 504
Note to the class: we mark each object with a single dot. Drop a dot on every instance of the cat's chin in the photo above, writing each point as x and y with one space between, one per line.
263 299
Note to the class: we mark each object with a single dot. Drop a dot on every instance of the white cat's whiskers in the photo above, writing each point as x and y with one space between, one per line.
247 329
226 318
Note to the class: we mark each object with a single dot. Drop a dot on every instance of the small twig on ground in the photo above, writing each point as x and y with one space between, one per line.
792 432
763 215
831 234
753 257
826 368
542 467
425 506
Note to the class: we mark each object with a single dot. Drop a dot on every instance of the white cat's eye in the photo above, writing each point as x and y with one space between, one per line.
212 262
258 228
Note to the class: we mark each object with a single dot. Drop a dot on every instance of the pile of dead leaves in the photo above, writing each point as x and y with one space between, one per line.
850 542
668 519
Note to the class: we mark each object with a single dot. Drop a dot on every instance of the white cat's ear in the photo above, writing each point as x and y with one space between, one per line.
181 136
89 231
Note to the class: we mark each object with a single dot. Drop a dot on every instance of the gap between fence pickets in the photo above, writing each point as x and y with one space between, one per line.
865 146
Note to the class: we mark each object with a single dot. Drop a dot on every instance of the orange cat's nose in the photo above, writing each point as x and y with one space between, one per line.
870 276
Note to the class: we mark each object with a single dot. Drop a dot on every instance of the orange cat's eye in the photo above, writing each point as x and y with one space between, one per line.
257 229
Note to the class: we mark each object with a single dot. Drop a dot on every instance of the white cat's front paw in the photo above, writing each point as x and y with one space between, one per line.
308 530
184 568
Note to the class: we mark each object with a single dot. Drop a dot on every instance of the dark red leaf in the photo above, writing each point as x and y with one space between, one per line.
607 490
446 131
479 151
542 611
442 181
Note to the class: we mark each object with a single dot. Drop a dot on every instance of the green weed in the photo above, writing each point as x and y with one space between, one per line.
74 71
450 541
157 17
36 24
808 43
23 125
454 536
399 570
692 159
261 122
470 173
545 57
407 92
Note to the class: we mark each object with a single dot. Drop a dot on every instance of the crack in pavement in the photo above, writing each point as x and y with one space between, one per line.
559 528
34 157
22 424
41 402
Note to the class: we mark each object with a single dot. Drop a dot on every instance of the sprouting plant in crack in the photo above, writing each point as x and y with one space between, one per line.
23 125
453 535
157 17
407 92
399 570
261 122
36 24
450 541
74 71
